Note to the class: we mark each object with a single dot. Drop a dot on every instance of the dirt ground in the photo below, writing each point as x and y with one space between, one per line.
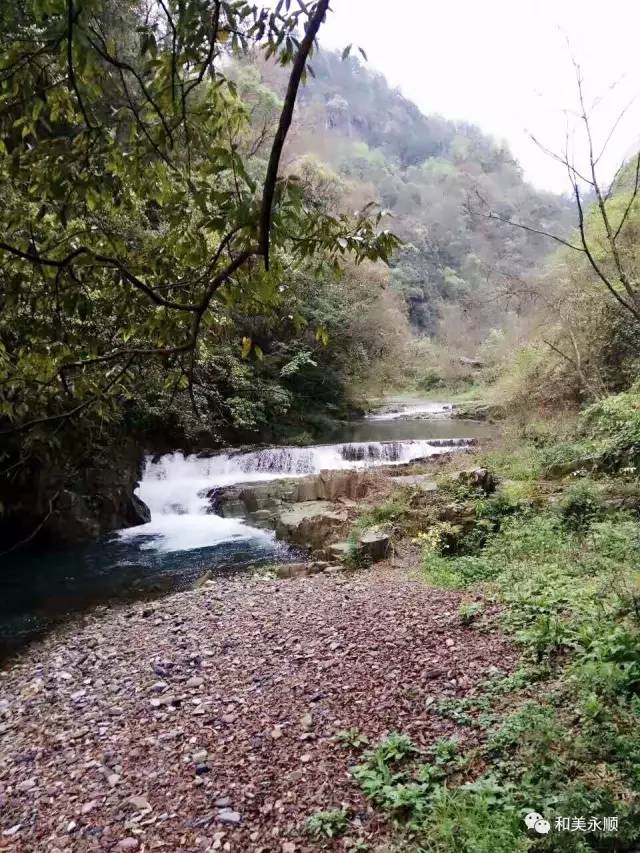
207 720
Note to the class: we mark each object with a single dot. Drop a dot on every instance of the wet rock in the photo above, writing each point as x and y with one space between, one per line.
263 502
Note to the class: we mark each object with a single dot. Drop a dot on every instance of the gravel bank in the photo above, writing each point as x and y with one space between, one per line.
205 721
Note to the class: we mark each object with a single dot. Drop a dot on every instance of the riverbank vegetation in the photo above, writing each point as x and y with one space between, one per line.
556 549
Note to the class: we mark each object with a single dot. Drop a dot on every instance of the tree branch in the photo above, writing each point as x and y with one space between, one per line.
285 123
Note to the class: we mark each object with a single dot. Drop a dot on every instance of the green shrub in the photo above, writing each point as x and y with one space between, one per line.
581 505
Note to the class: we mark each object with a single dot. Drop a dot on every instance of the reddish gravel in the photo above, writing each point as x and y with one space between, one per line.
259 674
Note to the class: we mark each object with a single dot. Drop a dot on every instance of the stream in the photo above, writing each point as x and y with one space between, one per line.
183 541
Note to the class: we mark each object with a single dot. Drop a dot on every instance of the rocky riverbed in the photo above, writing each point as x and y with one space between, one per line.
207 721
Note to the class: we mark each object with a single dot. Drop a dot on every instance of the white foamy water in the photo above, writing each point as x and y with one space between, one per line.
175 487
169 532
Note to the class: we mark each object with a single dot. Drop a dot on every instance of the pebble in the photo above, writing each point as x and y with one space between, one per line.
200 756
128 844
114 779
195 681
229 817
139 804
14 830
222 803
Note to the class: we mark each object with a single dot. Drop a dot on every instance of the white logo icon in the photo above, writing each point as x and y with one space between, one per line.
536 822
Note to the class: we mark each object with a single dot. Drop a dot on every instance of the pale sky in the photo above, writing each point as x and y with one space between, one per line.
505 66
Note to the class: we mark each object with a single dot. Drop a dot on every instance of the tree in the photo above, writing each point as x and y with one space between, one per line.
135 197
603 229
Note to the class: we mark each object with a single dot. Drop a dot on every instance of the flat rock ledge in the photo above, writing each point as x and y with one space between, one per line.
206 721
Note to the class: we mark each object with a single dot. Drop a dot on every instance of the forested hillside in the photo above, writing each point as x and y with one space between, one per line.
434 177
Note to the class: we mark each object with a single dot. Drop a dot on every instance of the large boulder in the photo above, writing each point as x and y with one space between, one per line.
55 511
310 524
478 479
371 545
422 482
246 500
375 543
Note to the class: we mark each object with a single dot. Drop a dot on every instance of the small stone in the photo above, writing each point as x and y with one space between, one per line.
114 779
139 804
128 844
450 643
229 817
199 756
158 687
288 847
195 681
88 807
228 718
276 732
201 769
14 830
307 722
223 803
27 785
306 758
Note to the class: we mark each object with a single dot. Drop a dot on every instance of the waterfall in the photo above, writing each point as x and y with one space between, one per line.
406 412
175 486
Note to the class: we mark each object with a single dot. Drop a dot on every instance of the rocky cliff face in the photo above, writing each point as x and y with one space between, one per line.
49 508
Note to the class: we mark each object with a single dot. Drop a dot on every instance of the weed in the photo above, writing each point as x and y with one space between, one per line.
352 738
356 557
469 610
325 825
391 510
581 505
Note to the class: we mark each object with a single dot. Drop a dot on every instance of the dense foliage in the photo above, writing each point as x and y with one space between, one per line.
147 235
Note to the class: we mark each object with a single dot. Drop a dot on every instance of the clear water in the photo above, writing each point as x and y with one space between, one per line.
183 541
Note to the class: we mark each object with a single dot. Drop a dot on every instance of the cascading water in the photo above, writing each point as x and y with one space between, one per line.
175 487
